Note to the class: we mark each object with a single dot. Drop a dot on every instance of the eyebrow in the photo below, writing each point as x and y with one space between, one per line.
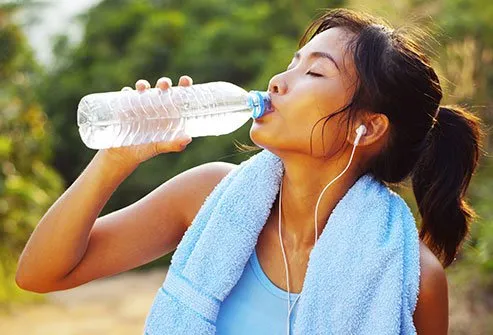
319 54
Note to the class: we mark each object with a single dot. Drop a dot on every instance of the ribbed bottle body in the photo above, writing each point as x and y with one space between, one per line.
115 119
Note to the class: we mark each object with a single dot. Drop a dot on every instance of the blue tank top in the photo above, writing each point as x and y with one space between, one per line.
255 305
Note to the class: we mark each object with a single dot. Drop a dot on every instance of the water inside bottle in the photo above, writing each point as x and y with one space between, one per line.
115 119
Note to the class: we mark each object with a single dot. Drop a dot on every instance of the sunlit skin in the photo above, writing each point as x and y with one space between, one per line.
319 81
312 87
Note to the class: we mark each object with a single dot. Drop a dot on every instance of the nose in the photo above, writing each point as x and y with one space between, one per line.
277 85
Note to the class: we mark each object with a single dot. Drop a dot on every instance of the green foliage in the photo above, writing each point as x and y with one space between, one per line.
476 23
480 249
466 59
28 186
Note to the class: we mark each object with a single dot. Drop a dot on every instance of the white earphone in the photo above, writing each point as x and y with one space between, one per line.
360 131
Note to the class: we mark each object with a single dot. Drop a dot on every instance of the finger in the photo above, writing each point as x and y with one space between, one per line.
184 140
164 83
127 88
175 146
142 85
185 81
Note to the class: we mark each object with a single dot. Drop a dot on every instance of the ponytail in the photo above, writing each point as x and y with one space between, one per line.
440 180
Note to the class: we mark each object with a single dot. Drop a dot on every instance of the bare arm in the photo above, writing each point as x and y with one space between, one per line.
71 245
431 314
61 238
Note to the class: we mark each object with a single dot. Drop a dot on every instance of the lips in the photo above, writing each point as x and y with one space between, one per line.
269 110
271 107
268 106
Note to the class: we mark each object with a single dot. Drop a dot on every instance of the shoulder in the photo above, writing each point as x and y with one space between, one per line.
431 314
198 182
210 172
432 272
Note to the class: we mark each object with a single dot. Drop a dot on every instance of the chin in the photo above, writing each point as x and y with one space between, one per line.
260 135
265 138
279 143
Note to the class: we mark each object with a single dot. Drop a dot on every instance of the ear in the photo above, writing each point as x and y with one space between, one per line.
377 126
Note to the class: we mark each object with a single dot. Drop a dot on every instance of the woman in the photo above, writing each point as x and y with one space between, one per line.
351 70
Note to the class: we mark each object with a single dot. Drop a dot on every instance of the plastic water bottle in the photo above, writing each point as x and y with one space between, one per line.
123 118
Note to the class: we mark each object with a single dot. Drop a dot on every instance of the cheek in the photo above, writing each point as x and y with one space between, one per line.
317 97
327 134
307 112
300 112
330 99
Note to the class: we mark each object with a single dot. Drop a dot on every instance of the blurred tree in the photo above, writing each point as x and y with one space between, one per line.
466 61
466 56
28 185
242 41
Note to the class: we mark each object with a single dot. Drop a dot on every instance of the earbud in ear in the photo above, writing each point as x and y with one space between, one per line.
360 131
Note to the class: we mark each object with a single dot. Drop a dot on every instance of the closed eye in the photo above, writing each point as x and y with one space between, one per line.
310 73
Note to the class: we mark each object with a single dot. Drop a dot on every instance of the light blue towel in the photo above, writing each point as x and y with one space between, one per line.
362 275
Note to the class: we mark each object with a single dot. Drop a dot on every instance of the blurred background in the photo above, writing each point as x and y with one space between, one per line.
53 53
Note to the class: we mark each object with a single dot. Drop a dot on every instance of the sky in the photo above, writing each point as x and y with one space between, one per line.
51 19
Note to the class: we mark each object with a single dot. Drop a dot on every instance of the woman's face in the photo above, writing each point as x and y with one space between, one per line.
318 82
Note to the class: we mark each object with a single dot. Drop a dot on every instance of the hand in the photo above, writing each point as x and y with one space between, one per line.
136 154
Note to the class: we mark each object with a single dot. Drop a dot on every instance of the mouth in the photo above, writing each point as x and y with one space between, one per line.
268 111
270 108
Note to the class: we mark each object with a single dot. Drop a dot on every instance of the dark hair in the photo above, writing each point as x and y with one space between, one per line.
437 146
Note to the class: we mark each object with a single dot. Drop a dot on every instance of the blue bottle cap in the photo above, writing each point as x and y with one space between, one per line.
259 103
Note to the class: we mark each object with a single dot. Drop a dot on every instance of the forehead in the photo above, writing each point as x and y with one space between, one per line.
334 41
334 38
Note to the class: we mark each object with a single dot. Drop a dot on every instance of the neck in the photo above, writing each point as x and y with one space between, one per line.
303 181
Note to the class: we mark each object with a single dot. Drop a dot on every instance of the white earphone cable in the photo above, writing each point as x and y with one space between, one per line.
284 255
360 132
356 141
